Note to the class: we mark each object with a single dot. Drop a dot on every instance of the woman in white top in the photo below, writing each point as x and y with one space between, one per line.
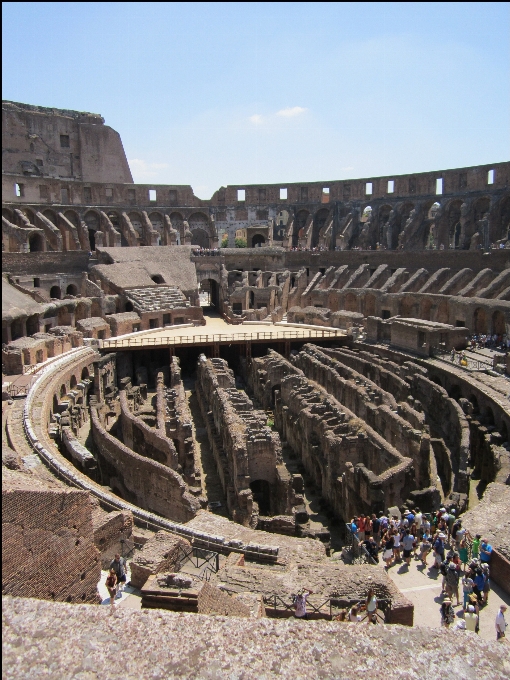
396 545
371 605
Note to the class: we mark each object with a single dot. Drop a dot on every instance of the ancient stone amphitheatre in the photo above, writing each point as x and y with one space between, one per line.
221 413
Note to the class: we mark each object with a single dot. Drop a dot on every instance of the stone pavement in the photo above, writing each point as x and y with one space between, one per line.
422 585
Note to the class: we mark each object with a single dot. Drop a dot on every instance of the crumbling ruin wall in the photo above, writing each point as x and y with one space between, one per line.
144 440
48 546
247 452
140 480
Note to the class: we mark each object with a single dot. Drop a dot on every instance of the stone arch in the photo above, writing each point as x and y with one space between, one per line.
91 219
299 224
257 241
370 305
449 224
50 215
198 220
442 314
81 311
72 289
7 213
210 286
408 307
383 216
55 292
128 307
157 220
351 303
85 373
319 222
64 316
63 390
455 392
73 382
502 224
474 403
36 243
177 221
95 309
480 207
479 320
137 222
425 309
200 237
16 329
73 217
498 323
488 416
261 490
33 324
55 404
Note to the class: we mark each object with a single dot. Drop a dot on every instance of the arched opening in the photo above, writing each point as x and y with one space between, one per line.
488 416
128 306
157 278
453 221
36 243
299 225
252 300
63 391
156 219
443 313
384 216
55 292
85 373
351 302
209 293
50 215
261 491
455 392
498 323
408 308
504 432
318 223
426 306
16 329
366 214
73 382
502 226
7 214
370 305
436 379
72 217
257 241
479 321
200 237
32 324
474 403
72 290
91 219
275 389
81 311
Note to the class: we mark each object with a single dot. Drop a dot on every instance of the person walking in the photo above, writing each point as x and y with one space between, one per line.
467 589
407 544
118 564
371 606
472 619
388 550
452 581
111 584
438 546
501 624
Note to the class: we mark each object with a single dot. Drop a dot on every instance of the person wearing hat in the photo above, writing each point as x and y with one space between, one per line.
447 613
471 618
501 624
452 581
438 546
467 588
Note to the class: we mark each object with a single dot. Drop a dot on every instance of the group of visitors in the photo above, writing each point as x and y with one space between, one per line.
206 251
494 341
460 558
353 615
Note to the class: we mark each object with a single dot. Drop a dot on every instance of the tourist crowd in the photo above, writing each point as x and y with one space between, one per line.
462 560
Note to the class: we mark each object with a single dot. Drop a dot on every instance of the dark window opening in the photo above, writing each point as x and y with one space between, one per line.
87 194
157 278
64 141
37 283
153 323
386 313
237 307
167 319
459 323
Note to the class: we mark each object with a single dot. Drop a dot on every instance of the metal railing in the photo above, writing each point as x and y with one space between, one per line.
465 363
20 390
297 334
330 607
359 554
206 562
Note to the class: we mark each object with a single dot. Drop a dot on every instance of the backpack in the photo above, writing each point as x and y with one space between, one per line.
443 568
384 523
376 525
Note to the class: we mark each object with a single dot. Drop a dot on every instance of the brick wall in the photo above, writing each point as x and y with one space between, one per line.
48 547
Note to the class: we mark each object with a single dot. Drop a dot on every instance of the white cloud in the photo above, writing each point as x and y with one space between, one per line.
256 119
143 170
291 111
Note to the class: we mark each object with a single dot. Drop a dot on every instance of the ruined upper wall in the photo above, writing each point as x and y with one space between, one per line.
55 143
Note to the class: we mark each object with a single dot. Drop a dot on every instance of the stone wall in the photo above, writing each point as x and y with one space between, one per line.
48 548
142 481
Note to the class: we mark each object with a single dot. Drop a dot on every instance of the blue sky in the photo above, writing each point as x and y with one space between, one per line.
211 94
